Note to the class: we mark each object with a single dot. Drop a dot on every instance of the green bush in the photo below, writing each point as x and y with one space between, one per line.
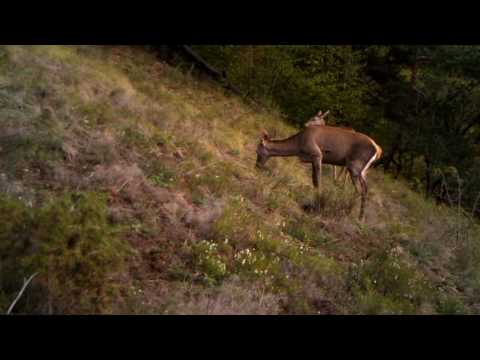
449 305
387 284
70 243
15 224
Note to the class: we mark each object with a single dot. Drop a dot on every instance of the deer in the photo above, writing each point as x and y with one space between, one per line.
319 120
319 145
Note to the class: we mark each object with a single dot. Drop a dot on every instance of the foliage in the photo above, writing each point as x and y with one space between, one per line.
300 80
387 284
69 242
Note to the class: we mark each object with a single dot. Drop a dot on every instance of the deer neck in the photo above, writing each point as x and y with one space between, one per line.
287 147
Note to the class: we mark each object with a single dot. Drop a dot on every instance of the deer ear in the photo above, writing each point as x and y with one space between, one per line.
319 113
265 135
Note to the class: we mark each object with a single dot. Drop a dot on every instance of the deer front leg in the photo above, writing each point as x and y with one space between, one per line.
314 176
343 172
334 173
317 173
345 175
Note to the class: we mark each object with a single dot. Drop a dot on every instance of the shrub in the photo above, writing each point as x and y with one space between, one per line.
387 284
449 305
72 246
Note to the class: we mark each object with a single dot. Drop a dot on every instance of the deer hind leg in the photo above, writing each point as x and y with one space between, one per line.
334 173
363 183
360 186
354 176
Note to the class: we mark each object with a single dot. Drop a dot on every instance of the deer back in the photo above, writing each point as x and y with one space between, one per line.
338 145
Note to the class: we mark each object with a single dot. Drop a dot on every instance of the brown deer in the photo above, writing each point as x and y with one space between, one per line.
329 145
319 120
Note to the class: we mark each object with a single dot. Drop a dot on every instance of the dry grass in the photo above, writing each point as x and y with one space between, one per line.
233 297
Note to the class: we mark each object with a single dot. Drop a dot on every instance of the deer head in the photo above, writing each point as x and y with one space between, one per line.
318 119
262 151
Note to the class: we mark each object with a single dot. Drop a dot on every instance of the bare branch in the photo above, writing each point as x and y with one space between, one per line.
25 284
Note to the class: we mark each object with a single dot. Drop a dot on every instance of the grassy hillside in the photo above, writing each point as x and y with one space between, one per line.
130 187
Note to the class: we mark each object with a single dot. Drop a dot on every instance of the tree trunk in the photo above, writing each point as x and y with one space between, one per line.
220 76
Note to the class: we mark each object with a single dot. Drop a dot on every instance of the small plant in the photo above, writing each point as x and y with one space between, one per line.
162 138
307 230
135 138
209 262
252 263
273 201
165 179
217 177
96 113
237 222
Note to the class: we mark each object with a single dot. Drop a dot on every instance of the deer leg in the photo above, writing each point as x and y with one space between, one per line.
317 167
345 175
364 186
354 177
334 173
360 186
343 172
363 180
314 176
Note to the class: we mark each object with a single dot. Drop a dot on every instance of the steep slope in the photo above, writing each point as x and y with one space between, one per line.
135 184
